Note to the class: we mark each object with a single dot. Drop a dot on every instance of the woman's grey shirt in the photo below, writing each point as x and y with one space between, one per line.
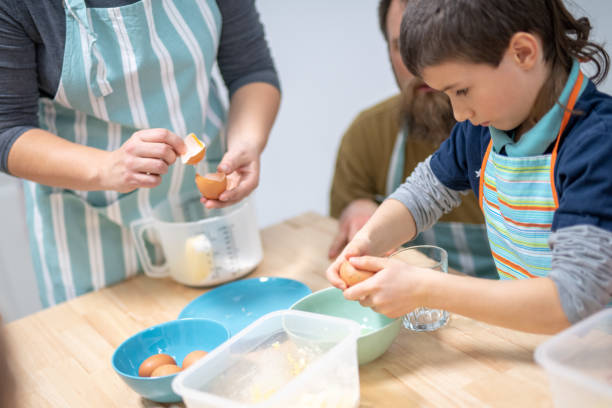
32 37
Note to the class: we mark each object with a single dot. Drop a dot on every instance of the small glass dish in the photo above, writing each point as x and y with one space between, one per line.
433 258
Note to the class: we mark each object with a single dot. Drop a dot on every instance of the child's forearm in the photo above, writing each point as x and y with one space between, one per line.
391 225
531 305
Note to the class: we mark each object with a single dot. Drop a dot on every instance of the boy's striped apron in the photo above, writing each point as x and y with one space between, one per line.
518 198
467 245
140 66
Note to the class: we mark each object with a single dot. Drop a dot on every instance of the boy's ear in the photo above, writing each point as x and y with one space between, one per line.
525 49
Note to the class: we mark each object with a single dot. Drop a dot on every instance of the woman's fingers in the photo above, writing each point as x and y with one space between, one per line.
142 180
163 136
240 184
148 166
155 150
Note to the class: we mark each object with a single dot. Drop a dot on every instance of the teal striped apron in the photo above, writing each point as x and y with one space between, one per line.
467 244
518 199
144 65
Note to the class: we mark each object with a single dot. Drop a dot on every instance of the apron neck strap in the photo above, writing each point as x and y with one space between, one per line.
569 110
97 70
395 173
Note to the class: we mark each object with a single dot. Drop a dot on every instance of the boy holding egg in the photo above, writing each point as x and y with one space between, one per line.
534 147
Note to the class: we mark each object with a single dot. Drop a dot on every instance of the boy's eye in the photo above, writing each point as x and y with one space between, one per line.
462 92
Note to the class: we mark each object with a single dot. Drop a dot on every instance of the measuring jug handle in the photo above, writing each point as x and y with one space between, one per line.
139 227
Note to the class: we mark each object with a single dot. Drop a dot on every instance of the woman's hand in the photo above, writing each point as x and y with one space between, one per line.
252 111
241 165
141 160
395 289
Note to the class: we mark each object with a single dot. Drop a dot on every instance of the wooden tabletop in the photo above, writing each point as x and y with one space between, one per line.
61 356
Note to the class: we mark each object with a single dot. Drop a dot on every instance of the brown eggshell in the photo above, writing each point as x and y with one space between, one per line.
151 363
196 149
211 185
165 369
351 275
193 357
193 160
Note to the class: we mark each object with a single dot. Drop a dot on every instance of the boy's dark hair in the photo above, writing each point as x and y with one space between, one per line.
479 31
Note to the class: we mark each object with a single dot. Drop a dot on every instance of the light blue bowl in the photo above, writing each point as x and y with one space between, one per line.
176 338
238 304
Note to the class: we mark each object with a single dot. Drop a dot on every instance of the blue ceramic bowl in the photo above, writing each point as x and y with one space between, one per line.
176 338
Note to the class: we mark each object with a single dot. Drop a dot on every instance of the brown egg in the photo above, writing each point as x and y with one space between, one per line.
165 369
351 275
211 185
193 357
151 363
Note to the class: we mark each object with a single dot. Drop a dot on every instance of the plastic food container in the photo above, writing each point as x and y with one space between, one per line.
284 359
579 363
377 331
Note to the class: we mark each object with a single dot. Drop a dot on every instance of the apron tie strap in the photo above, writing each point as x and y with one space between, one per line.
395 174
97 68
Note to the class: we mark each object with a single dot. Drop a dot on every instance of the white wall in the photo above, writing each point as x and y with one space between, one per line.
599 13
332 63
18 291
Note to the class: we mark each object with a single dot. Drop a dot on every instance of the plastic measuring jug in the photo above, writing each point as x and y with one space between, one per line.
201 247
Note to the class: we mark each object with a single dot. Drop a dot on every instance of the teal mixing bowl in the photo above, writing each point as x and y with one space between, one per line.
176 338
377 330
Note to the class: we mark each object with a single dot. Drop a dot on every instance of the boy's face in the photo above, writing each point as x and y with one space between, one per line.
485 95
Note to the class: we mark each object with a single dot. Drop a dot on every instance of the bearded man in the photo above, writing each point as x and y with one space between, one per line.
381 148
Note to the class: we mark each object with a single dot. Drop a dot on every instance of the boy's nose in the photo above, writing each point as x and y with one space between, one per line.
462 113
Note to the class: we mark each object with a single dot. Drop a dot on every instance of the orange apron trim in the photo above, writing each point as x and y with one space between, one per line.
566 117
482 174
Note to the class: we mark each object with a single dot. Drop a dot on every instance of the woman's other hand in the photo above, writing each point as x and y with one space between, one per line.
241 165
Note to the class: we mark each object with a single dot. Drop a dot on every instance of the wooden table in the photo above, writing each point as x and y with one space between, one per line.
61 356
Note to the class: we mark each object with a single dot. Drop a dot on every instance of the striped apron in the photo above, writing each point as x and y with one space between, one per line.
518 198
140 66
467 244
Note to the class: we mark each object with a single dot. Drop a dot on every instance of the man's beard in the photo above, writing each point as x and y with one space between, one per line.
428 115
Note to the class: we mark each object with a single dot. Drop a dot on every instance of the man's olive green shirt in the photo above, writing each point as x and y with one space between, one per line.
364 156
